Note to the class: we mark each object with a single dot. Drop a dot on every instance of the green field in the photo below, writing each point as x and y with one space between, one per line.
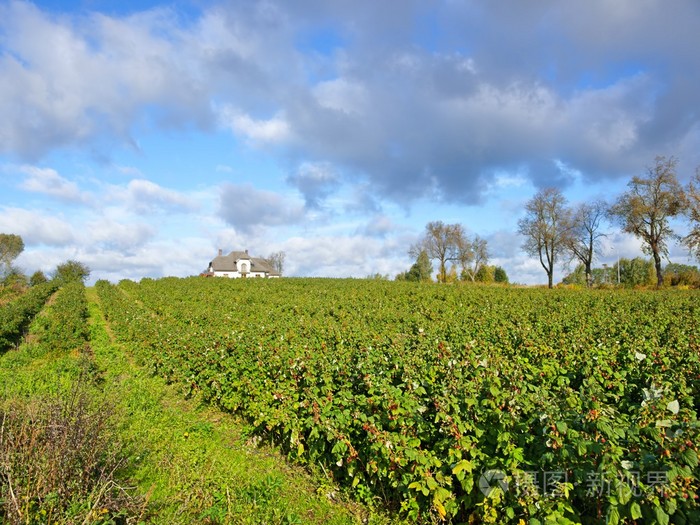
424 403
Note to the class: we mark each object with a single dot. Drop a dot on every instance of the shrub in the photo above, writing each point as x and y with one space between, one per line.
58 459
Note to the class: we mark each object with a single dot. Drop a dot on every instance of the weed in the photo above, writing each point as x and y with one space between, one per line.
58 459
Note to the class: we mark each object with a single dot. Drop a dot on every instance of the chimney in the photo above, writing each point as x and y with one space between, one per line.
220 252
246 252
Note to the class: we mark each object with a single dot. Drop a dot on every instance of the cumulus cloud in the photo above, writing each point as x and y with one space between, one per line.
108 234
342 256
274 130
48 182
37 228
87 77
414 114
143 196
247 208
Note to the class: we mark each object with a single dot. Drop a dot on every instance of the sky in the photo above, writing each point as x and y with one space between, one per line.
140 137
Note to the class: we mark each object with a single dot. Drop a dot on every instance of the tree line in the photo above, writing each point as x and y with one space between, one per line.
12 245
468 257
554 232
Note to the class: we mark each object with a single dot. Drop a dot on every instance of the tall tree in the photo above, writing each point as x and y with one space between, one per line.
546 228
71 271
645 209
478 256
11 246
276 260
635 272
442 242
500 275
692 240
421 270
585 234
486 274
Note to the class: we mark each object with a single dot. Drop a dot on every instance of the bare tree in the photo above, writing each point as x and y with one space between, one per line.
546 228
442 242
645 209
692 240
276 260
585 234
478 257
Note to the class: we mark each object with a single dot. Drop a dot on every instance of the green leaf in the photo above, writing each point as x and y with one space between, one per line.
624 494
673 406
690 457
432 484
635 511
613 516
661 516
463 465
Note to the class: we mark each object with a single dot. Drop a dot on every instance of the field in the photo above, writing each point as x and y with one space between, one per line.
430 403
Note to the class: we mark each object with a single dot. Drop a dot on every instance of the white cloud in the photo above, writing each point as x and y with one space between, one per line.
247 208
144 197
47 181
342 95
130 171
336 256
37 228
272 131
87 77
109 234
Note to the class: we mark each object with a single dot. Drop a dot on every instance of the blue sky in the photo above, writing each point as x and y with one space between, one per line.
141 137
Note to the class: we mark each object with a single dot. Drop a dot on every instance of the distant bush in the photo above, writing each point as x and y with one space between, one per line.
37 277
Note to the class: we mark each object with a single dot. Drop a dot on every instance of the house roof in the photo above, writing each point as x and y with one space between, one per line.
261 265
228 263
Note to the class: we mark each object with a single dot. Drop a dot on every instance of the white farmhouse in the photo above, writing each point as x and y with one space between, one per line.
239 264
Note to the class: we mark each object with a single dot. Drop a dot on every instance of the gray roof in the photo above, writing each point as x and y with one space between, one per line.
227 263
261 265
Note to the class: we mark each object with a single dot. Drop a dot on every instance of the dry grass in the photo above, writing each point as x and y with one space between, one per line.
58 460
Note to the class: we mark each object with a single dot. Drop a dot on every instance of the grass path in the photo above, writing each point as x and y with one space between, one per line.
195 464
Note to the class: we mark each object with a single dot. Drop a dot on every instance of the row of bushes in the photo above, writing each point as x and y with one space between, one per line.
427 397
16 316
64 327
59 455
